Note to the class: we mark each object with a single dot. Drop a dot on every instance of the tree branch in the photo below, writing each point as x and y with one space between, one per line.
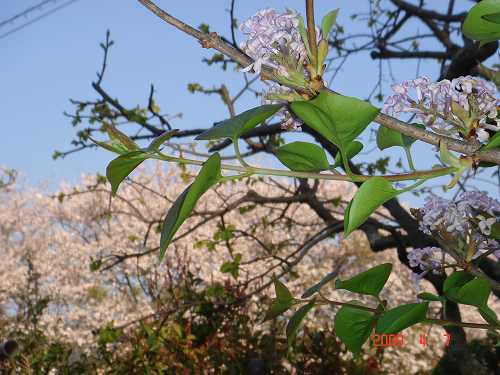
421 12
212 40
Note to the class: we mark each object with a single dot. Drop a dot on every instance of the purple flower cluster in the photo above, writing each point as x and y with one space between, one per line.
277 94
473 213
270 34
428 258
467 104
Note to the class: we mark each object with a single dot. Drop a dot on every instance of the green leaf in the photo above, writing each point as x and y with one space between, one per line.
340 119
447 157
480 24
277 308
282 302
489 315
493 17
389 138
316 119
475 292
353 326
495 231
456 280
317 287
303 156
208 176
294 322
118 137
158 141
430 297
370 195
236 126
122 166
282 292
327 23
353 149
232 267
493 143
303 35
369 282
118 142
112 146
402 317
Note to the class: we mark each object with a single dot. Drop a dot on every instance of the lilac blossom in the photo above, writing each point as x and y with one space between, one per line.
472 214
427 258
465 104
270 34
280 94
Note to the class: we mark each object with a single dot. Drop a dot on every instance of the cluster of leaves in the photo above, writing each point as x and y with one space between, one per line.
339 120
355 322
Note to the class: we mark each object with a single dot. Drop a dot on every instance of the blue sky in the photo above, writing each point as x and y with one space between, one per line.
55 59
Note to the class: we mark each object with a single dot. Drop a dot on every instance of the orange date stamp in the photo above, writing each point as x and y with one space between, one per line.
385 340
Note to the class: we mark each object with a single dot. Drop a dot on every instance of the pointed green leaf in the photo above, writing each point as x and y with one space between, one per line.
430 297
493 143
353 326
282 292
112 146
158 141
316 119
282 302
447 157
350 116
317 287
119 137
493 17
495 231
402 317
122 166
303 35
277 308
475 292
294 322
340 119
208 176
489 315
387 137
369 282
303 156
353 149
371 194
477 26
456 280
236 126
329 20
459 165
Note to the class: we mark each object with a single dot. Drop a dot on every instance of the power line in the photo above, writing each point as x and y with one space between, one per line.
19 15
46 14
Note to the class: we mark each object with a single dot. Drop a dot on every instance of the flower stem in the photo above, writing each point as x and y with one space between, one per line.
316 176
410 159
443 322
238 153
311 31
